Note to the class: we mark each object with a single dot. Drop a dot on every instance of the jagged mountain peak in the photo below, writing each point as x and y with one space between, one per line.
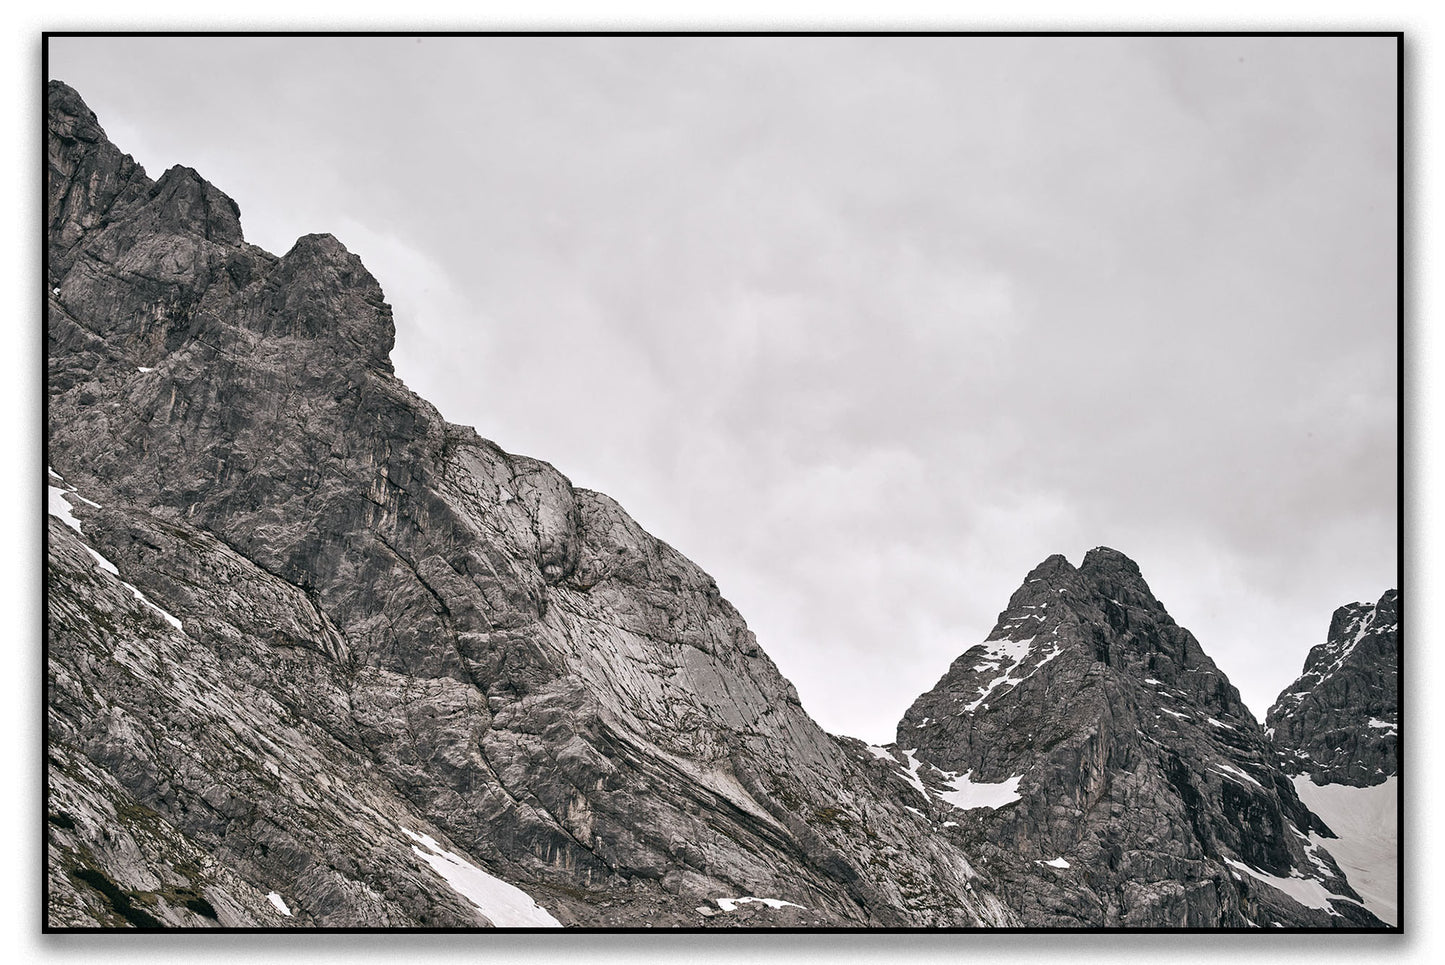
1130 758
1105 558
1339 720
204 286
87 176
1336 729
1133 632
186 202
1116 577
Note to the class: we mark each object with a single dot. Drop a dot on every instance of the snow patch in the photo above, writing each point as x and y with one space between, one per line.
1054 863
731 904
997 651
912 773
1049 656
1307 891
505 906
142 597
1367 849
59 507
279 903
103 563
1236 772
968 795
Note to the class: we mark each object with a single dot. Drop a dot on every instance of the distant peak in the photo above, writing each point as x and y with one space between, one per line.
1057 563
182 172
1051 576
1117 577
1347 620
1104 557
322 244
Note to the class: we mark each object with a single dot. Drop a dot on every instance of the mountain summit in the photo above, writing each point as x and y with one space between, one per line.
1336 731
1340 721
1143 792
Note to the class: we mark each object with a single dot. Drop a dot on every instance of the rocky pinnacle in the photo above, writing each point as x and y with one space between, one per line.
1340 721
1144 792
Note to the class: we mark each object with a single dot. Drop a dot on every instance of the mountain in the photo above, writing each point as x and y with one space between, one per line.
1340 721
318 657
1336 731
1111 774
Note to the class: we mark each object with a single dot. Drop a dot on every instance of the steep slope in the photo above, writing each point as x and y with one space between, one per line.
399 670
1337 731
1340 720
1108 772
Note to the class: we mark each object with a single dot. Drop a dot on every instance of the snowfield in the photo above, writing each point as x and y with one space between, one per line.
1367 850
505 906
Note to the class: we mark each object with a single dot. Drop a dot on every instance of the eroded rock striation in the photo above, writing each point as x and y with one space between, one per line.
317 657
1340 721
1106 772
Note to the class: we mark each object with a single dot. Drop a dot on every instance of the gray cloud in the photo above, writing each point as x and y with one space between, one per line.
868 327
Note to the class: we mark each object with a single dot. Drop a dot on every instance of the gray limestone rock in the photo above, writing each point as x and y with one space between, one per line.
1340 721
331 628
1107 772
316 657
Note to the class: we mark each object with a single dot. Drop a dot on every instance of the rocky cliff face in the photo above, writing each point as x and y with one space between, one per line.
318 657
1340 721
1107 773
1336 731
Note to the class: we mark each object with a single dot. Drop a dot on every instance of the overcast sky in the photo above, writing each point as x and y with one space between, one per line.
868 327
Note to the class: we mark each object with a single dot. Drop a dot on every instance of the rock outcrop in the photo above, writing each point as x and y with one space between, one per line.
317 657
1336 731
1106 772
1340 721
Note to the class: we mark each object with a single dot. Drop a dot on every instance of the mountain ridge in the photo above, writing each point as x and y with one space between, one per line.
317 657
1134 764
515 667
1336 731
1339 720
